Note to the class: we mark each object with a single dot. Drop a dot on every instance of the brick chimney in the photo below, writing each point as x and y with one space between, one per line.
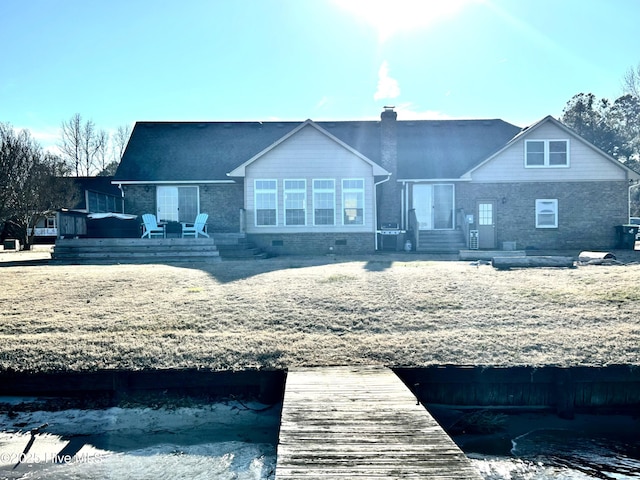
389 193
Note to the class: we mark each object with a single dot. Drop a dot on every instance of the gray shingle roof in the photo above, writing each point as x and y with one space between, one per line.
448 148
207 151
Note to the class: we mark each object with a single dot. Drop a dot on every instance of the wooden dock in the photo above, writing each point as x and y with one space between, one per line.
363 423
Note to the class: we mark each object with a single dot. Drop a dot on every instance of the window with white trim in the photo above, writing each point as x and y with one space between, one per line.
546 153
324 202
546 213
266 202
353 201
295 202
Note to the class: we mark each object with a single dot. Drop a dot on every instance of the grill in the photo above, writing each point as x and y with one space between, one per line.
390 237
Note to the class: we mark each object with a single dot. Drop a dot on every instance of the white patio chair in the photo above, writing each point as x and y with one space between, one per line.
196 228
151 227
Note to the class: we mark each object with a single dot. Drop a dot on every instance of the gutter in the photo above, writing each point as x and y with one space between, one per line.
170 182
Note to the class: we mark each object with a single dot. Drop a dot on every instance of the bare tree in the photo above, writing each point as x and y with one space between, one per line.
103 147
631 81
71 145
120 140
118 144
80 145
89 146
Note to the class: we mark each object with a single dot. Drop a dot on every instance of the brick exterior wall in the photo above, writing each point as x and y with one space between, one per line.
314 243
139 199
588 212
221 201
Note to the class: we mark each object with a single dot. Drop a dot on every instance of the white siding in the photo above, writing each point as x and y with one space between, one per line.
309 155
585 164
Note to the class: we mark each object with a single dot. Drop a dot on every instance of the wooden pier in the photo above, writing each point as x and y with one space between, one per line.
364 423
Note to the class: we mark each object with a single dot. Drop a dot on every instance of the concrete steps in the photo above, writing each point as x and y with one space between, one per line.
234 246
441 241
134 250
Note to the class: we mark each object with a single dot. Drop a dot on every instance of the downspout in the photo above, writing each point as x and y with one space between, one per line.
122 196
375 207
402 220
406 205
632 184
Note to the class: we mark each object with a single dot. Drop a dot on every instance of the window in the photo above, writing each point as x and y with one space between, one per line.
547 213
266 195
353 201
324 200
102 202
558 153
485 214
546 153
295 202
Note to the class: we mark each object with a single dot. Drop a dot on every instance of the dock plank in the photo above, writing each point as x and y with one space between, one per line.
361 423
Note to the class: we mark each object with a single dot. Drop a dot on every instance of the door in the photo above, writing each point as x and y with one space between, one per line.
177 204
486 224
433 205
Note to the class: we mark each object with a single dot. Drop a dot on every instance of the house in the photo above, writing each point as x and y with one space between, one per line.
359 186
97 195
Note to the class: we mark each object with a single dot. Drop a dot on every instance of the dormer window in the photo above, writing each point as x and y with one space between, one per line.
546 153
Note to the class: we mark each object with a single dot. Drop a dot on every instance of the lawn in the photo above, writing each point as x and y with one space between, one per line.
395 310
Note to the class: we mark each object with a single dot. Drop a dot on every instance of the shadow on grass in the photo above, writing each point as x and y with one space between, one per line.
378 265
227 271
231 270
36 262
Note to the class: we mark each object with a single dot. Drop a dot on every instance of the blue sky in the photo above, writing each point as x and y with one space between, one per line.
120 61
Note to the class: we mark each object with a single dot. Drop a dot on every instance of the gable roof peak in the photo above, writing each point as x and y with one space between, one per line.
240 171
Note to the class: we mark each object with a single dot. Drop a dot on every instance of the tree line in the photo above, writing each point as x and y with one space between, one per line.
33 184
611 125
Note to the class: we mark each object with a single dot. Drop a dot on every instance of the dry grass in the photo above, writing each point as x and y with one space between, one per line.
283 312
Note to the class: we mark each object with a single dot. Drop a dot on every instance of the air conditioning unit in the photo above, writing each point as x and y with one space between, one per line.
473 239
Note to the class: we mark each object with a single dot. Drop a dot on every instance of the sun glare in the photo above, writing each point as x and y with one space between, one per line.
391 17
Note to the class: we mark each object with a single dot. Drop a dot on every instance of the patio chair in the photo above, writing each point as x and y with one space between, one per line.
196 228
151 227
